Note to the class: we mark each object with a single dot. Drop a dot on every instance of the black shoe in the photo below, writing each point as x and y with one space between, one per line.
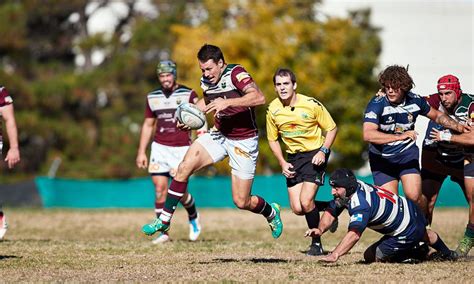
439 256
315 249
411 261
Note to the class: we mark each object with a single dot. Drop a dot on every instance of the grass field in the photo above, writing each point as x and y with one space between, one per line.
106 245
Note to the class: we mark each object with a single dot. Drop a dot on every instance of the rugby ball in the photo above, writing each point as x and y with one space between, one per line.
190 115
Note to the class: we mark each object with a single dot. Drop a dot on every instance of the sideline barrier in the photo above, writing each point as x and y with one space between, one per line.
208 192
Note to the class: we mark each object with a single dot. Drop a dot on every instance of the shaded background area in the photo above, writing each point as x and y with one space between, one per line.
209 192
78 71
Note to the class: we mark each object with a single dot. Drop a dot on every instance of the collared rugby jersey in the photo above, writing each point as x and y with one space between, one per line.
234 122
300 127
378 209
463 113
5 99
163 107
395 119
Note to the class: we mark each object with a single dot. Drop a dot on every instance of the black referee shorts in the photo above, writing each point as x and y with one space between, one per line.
305 169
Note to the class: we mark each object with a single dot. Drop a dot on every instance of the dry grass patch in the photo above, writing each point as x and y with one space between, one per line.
98 245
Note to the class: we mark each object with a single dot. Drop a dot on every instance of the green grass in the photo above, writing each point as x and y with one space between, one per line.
107 245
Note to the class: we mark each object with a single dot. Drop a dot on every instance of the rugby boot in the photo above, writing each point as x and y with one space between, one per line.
162 238
465 246
194 228
439 256
155 226
276 225
315 249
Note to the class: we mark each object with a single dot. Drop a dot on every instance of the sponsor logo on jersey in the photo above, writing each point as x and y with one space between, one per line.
165 115
223 85
242 75
371 115
293 133
356 218
154 103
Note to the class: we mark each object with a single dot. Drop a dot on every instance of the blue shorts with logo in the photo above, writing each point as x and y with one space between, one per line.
386 169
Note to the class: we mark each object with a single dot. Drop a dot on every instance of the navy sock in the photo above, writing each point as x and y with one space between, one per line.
440 246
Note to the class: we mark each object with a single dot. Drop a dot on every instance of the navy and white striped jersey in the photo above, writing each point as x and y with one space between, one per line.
380 210
395 119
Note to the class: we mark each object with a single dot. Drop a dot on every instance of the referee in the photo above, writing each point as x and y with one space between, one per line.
300 122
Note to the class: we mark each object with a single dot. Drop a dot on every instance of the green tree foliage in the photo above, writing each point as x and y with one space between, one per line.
89 115
334 60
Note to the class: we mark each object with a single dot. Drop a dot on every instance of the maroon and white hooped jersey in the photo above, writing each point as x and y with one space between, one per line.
234 122
5 99
162 106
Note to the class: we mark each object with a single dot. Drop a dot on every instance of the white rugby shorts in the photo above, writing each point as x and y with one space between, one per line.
165 159
242 153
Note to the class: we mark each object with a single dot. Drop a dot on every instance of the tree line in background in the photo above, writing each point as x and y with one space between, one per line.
88 111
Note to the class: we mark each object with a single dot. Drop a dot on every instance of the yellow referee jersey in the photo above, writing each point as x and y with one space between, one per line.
300 127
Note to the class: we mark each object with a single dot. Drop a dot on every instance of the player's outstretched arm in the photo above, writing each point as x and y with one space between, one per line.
466 139
326 221
446 121
349 240
373 135
253 96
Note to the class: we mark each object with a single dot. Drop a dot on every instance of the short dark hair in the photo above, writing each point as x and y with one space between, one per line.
284 72
209 51
396 76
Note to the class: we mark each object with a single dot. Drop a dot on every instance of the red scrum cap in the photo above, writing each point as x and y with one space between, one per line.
450 82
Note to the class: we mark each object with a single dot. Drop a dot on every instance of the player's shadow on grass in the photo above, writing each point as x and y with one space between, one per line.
253 260
2 257
305 251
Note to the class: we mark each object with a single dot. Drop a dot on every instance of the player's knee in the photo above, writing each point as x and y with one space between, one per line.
184 170
160 192
307 206
242 203
297 209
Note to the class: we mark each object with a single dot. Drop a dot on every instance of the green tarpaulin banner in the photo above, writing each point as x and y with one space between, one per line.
208 191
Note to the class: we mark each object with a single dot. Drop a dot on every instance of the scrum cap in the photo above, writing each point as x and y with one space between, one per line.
450 82
166 66
344 178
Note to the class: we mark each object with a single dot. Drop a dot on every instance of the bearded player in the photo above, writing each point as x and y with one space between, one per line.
169 143
443 156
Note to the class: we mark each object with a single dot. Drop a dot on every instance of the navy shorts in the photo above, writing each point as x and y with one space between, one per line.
469 170
393 247
305 169
434 169
392 168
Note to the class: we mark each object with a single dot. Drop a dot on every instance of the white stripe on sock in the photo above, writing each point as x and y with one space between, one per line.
175 193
